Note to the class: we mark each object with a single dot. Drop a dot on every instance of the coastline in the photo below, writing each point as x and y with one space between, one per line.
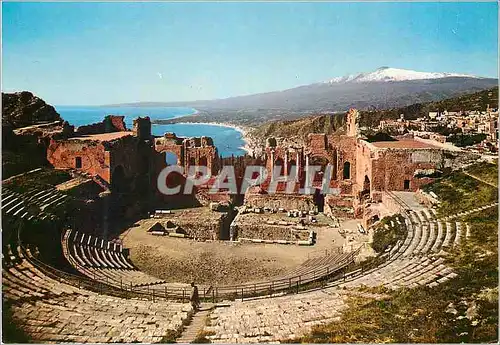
195 112
248 147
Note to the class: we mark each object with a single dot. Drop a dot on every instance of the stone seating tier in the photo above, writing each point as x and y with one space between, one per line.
53 311
102 260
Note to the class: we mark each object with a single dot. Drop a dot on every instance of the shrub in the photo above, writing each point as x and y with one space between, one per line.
386 235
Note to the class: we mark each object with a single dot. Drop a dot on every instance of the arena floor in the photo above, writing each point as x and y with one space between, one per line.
221 262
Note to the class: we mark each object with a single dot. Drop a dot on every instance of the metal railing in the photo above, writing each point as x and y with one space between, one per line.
325 275
217 293
333 272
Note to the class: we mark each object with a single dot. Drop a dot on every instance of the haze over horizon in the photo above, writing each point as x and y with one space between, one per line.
108 53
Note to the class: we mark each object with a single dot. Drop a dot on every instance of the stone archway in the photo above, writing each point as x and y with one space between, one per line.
118 180
347 171
171 158
279 163
322 162
319 200
292 168
366 186
203 161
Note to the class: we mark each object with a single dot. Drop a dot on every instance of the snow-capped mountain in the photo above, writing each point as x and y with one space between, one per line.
394 74
384 88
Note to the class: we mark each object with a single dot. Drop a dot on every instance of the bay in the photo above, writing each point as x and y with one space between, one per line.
227 140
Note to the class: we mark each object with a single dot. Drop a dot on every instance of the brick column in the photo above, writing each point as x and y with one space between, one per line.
272 164
286 165
298 166
307 168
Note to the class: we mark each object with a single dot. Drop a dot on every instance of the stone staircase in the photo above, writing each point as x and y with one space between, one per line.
198 322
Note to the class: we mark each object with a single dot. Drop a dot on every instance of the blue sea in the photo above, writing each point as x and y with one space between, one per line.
228 140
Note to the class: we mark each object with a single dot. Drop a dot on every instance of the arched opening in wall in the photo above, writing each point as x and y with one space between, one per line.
203 162
366 186
144 164
321 162
171 158
175 179
78 162
334 166
319 200
406 185
118 180
292 169
347 171
279 163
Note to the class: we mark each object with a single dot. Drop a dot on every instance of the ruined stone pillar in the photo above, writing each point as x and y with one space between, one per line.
105 196
286 165
298 166
307 168
272 164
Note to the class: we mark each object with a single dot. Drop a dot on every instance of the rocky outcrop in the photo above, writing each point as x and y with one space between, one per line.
21 109
28 124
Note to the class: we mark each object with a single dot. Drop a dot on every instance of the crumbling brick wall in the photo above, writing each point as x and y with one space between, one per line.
200 231
276 201
200 224
124 152
270 232
198 151
339 206
142 128
95 159
345 149
255 226
111 123
100 157
395 169
320 149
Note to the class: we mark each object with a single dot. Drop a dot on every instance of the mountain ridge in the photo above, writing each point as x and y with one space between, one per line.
381 92
387 74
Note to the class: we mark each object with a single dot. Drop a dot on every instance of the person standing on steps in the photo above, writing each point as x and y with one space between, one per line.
194 298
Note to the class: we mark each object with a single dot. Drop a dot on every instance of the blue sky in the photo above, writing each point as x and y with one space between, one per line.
101 53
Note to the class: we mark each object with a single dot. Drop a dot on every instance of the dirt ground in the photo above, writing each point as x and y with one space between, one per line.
219 262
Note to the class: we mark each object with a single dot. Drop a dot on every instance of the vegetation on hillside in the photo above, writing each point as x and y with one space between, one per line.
464 309
42 178
463 140
22 109
378 136
485 171
459 191
388 232
326 123
475 101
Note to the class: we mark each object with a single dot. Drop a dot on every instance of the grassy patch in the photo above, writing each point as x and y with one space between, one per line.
462 140
459 192
485 171
170 337
201 337
40 179
464 309
387 234
11 331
